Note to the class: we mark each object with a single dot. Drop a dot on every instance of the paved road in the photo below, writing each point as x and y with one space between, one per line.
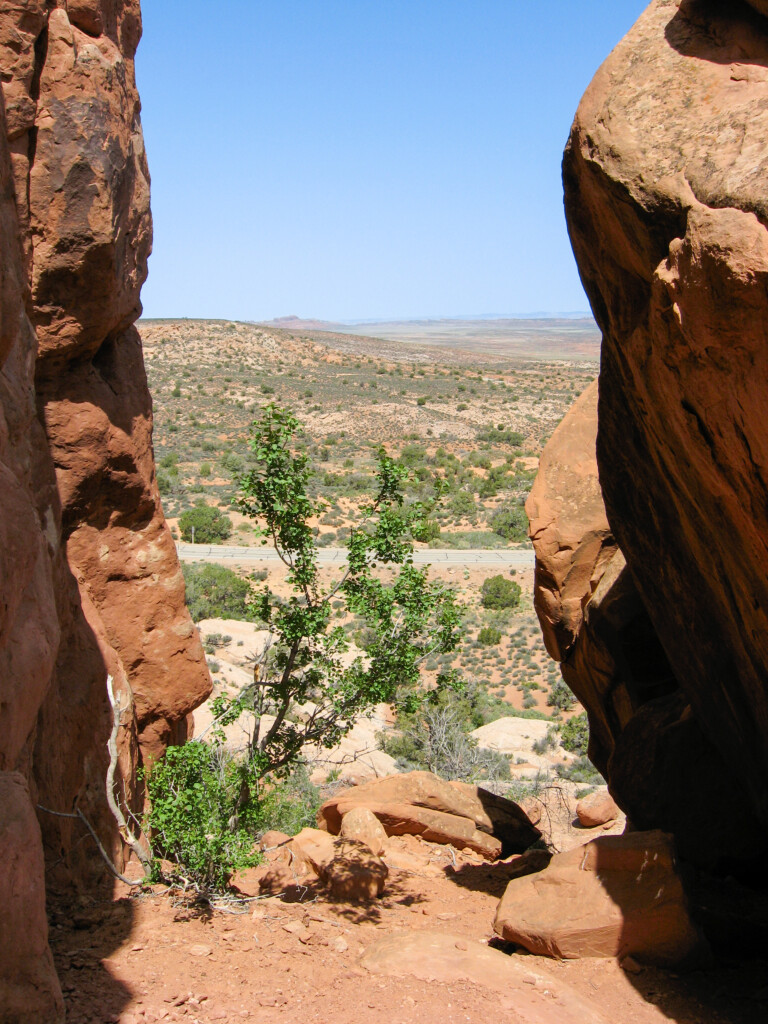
519 557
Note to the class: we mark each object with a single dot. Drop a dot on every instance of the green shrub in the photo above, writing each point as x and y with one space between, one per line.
193 791
581 771
209 524
232 463
510 522
575 734
426 531
489 636
288 805
215 592
499 435
499 592
463 504
560 696
548 742
421 401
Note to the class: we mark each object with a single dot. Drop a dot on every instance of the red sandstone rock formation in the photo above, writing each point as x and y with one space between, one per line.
568 526
664 176
420 803
665 173
644 737
89 580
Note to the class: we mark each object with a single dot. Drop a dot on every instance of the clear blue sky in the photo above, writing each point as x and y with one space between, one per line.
351 159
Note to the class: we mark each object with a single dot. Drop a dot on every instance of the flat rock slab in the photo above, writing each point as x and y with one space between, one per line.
420 803
435 956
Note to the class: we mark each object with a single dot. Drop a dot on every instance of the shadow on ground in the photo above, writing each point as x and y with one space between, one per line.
85 931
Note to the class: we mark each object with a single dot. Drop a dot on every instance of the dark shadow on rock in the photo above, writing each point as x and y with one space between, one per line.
510 824
494 878
725 978
730 33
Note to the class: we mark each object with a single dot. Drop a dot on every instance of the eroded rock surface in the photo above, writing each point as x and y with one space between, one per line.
89 579
665 175
420 803
645 737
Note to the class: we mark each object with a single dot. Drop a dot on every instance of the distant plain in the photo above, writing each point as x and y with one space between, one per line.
469 402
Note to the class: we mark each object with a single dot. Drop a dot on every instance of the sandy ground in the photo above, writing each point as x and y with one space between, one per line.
132 959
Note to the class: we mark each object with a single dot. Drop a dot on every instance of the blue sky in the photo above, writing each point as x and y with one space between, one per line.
352 159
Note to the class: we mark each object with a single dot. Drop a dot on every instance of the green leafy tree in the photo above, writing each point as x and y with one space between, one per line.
210 525
499 592
205 803
410 616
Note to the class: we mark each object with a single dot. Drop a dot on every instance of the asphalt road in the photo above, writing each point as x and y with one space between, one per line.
515 557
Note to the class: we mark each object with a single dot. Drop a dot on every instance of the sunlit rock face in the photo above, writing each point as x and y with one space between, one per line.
665 178
89 579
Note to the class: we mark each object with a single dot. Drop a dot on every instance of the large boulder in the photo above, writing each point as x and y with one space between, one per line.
598 808
420 803
645 738
362 825
348 867
617 896
664 177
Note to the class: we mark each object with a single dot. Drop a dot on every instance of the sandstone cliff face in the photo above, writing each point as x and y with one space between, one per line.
644 736
89 580
665 174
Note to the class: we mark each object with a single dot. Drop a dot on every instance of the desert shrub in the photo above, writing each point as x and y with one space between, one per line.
213 640
581 771
205 469
499 592
510 522
232 463
427 531
288 805
462 504
436 739
489 636
499 435
215 592
193 792
209 524
560 696
575 734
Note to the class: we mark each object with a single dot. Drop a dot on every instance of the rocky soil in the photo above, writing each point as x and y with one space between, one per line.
159 957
